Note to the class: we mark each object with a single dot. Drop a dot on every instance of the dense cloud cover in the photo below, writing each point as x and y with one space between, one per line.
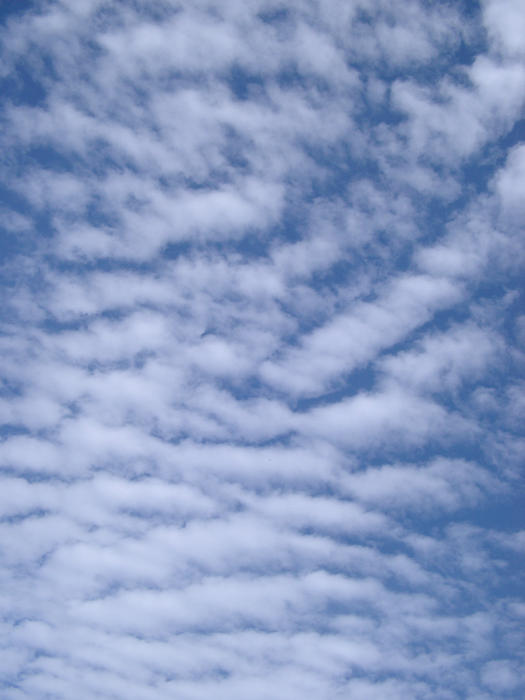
262 349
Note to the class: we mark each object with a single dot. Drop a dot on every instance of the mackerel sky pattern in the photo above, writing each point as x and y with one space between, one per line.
262 339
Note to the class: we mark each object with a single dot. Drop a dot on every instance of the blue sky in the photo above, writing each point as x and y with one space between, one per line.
262 342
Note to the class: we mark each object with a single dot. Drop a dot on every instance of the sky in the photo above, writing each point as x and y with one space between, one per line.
262 334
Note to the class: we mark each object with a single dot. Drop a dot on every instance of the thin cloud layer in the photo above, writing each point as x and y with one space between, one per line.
262 350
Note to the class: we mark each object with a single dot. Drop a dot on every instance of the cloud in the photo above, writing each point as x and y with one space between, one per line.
261 388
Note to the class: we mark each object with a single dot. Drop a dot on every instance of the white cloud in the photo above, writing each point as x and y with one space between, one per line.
505 24
500 676
509 183
353 339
